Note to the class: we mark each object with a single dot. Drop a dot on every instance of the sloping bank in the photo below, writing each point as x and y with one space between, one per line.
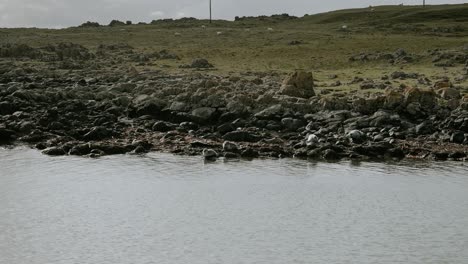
251 115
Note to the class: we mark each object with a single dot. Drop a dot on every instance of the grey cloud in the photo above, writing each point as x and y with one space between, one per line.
64 13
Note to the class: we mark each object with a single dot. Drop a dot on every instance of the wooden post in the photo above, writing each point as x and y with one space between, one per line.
210 12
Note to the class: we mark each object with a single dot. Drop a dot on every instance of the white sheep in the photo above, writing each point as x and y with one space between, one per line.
344 27
177 34
219 33
247 29
203 26
270 29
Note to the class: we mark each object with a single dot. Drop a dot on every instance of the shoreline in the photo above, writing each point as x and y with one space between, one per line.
210 119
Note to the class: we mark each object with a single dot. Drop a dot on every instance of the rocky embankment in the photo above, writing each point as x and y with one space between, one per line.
116 111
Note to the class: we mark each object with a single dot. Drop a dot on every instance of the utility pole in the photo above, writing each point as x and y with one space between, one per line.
210 12
424 3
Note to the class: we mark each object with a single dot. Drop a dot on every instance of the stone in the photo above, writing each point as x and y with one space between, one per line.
204 113
427 98
54 151
425 128
449 93
80 150
98 133
161 126
330 155
209 154
230 147
241 136
292 124
272 112
457 137
356 136
201 64
299 84
250 153
6 134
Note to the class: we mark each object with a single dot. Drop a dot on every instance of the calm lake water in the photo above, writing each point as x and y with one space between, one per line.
168 209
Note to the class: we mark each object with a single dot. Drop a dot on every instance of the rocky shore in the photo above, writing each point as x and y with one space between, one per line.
96 111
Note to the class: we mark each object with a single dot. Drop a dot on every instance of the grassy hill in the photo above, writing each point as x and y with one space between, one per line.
321 44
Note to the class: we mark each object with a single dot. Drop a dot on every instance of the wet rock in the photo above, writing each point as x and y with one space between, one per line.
98 133
457 137
357 136
6 134
440 156
331 155
54 151
140 150
6 108
425 128
396 153
80 150
109 148
209 154
241 136
230 155
161 126
225 128
298 84
249 153
230 147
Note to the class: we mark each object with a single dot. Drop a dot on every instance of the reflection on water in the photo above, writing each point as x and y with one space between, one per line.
167 209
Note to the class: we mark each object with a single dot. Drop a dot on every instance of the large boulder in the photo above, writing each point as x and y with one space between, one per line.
426 98
299 84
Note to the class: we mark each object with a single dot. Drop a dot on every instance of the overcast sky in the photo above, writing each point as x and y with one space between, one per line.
64 13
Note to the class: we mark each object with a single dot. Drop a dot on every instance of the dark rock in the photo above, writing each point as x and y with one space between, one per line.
80 150
457 137
330 155
250 153
241 136
230 147
6 108
54 151
40 146
425 128
292 124
98 133
161 126
230 155
225 128
140 150
6 135
199 144
204 114
357 136
209 154
440 156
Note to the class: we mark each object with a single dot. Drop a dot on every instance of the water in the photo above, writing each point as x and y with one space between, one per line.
167 209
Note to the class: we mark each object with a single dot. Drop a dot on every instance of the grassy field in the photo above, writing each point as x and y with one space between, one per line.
325 49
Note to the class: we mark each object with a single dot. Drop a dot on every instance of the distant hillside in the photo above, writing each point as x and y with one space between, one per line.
395 14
